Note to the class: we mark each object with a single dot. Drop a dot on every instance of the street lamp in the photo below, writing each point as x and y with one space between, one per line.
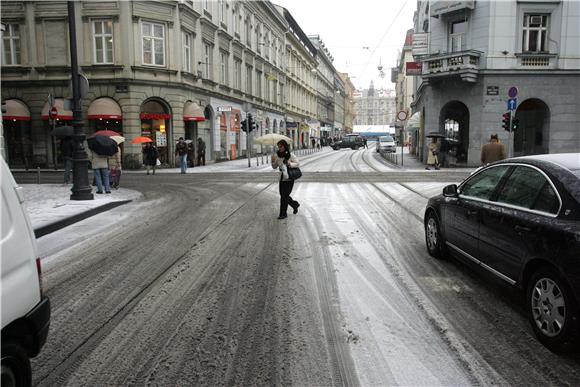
81 190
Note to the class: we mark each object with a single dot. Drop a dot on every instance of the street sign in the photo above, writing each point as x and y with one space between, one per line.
52 113
513 92
222 109
512 103
402 115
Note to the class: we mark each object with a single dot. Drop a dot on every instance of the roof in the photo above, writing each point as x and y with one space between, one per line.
570 161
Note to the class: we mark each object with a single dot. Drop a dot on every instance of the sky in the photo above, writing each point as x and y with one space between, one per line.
358 33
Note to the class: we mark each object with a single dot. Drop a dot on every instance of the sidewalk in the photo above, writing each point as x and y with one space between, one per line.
49 206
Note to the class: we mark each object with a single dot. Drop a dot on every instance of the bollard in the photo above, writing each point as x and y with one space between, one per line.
37 175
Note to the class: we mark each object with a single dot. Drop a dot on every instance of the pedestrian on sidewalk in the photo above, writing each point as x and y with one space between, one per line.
150 155
432 154
442 156
283 160
115 169
200 152
100 166
181 151
67 150
492 151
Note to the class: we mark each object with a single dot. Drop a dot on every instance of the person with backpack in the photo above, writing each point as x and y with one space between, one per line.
181 151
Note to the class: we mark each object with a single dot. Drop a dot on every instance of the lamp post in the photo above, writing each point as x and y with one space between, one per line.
81 190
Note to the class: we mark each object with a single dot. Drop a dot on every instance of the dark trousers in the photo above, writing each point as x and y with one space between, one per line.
285 198
201 159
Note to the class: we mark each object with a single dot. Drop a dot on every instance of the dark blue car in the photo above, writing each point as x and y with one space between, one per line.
519 219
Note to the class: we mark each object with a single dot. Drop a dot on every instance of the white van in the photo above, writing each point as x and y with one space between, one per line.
25 310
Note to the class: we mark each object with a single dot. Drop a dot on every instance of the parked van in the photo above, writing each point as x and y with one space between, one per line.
25 309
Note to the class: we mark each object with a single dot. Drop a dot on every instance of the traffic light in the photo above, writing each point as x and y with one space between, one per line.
244 124
251 122
515 124
505 121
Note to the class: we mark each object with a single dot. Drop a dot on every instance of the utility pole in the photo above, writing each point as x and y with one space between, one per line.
81 190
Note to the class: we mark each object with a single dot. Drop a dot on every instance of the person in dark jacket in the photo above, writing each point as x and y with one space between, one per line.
283 160
67 149
200 152
181 151
150 155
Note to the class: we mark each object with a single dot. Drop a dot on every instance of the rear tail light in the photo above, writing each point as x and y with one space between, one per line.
39 271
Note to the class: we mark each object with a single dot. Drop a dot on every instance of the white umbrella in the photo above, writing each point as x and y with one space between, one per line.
272 139
118 139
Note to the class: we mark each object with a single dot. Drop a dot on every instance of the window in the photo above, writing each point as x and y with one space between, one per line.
224 67
11 45
238 74
528 188
186 51
153 36
457 36
259 84
222 11
205 4
248 32
482 185
237 15
103 41
535 34
207 51
249 72
267 88
258 31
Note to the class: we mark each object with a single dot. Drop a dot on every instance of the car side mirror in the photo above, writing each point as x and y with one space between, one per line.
450 191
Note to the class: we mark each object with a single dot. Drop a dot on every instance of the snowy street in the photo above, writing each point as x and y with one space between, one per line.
195 282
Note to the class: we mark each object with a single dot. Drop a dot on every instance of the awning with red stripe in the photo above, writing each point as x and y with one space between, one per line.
105 108
16 111
192 112
63 115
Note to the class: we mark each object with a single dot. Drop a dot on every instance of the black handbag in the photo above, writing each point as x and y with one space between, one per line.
294 173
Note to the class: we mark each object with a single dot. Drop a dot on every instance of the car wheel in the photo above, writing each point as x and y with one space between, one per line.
433 237
355 147
15 366
552 310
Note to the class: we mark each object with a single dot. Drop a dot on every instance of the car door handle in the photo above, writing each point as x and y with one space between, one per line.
472 212
522 228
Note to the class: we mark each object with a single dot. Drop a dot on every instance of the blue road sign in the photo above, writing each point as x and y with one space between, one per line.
512 103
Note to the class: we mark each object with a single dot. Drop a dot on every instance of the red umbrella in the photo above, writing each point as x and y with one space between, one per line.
141 140
108 133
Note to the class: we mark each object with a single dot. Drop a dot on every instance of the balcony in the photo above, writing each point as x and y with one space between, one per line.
537 60
464 64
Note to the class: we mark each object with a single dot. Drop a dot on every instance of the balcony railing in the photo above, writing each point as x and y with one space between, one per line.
537 60
462 63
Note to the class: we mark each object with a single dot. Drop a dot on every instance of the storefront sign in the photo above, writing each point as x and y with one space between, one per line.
222 109
291 124
420 44
413 68
441 7
154 116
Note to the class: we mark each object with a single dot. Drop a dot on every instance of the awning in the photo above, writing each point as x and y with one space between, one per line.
16 111
105 108
63 115
193 112
415 121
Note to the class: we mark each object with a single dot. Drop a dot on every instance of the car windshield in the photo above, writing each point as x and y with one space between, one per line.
386 139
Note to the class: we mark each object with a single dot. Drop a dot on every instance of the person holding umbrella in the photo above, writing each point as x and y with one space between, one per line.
100 149
432 154
282 160
150 155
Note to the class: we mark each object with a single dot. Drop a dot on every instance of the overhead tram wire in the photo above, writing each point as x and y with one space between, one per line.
383 37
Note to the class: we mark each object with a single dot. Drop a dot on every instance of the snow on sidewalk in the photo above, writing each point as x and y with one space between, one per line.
49 203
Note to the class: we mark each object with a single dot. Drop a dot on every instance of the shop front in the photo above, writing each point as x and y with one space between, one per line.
156 124
51 155
105 114
192 115
17 134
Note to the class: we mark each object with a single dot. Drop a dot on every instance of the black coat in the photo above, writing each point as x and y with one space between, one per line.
150 155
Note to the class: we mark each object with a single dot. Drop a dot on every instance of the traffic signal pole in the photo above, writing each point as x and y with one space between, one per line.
510 138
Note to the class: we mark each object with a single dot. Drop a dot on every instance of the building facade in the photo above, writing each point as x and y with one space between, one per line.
161 69
300 68
374 106
479 50
323 124
349 113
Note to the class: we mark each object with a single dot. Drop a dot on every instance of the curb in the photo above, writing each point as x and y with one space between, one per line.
60 224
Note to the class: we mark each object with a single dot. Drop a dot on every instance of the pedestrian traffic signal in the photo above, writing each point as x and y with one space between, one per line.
515 124
505 121
244 124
